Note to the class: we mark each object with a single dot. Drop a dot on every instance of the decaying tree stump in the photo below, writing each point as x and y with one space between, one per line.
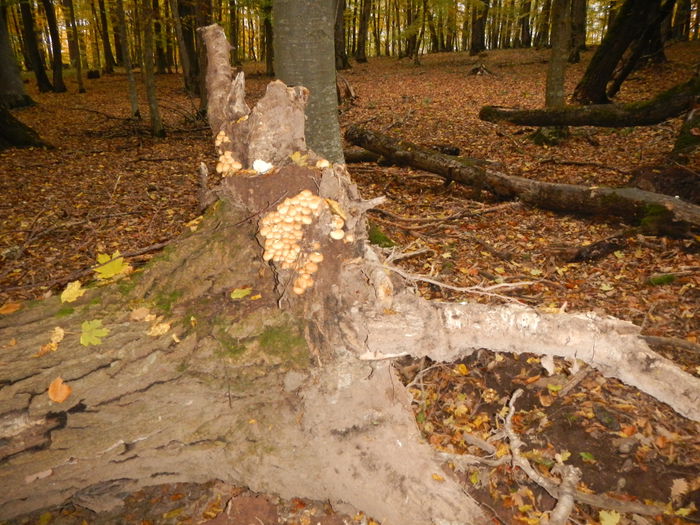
288 389
658 213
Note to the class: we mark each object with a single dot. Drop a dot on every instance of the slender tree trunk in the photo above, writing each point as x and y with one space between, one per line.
268 35
361 52
525 31
12 93
478 36
681 20
104 33
30 41
202 18
74 31
148 70
341 54
57 67
187 17
542 39
298 64
126 59
233 31
159 39
185 58
579 9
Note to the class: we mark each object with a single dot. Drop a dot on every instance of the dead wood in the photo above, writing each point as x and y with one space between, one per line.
658 213
668 104
282 392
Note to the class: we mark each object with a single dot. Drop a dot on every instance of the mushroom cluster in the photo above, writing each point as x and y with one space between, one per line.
221 138
227 164
282 229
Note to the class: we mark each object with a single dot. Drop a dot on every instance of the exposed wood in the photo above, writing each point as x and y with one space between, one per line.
660 212
666 105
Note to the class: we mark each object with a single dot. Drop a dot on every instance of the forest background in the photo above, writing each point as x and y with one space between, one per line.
109 185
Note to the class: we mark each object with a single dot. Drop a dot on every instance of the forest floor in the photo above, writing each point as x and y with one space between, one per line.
107 186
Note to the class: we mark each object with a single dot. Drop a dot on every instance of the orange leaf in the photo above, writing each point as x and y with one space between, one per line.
532 379
9 308
629 430
59 391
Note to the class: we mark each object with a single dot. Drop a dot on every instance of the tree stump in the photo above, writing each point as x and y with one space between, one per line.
222 361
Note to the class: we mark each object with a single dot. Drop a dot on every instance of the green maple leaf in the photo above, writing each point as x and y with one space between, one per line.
240 293
92 332
110 266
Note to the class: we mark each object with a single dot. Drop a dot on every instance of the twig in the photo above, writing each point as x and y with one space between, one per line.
552 160
672 341
570 477
574 380
552 488
478 290
463 461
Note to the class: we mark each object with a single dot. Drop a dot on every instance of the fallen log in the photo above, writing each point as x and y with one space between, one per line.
663 106
654 212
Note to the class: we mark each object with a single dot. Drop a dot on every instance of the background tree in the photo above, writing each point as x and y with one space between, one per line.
299 64
341 53
479 12
32 46
148 70
365 12
126 59
57 58
104 34
12 93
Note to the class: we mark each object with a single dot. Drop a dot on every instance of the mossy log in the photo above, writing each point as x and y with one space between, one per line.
668 104
656 212
287 393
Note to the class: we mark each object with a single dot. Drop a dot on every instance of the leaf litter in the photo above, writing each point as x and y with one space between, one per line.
107 187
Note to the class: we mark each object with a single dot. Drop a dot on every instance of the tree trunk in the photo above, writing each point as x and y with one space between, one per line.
126 59
579 10
148 71
659 213
477 43
341 54
30 41
57 62
269 37
663 106
542 38
361 52
186 16
291 393
161 62
299 64
185 56
628 25
525 38
16 134
104 33
12 93
74 32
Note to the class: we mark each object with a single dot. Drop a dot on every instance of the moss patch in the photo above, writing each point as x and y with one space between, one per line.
285 342
165 300
378 237
65 311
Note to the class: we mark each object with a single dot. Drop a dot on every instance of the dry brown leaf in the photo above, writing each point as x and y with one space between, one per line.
59 391
9 308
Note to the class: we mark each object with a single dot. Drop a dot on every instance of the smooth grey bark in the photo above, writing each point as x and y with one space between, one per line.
12 93
561 31
296 23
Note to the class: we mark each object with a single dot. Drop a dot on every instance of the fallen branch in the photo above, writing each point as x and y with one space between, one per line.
659 213
663 106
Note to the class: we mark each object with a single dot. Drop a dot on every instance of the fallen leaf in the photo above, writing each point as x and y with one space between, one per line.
255 297
139 314
609 517
72 292
679 488
59 391
438 477
158 329
9 308
298 158
111 266
92 332
57 334
240 293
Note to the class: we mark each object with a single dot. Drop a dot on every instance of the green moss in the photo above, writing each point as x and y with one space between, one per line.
165 300
230 346
659 280
65 311
126 285
656 219
285 342
378 237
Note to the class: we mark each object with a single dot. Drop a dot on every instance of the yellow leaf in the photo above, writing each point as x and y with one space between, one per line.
438 477
609 517
461 369
9 308
92 332
111 266
606 287
194 223
336 209
240 293
474 477
158 329
72 292
500 269
255 297
59 391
